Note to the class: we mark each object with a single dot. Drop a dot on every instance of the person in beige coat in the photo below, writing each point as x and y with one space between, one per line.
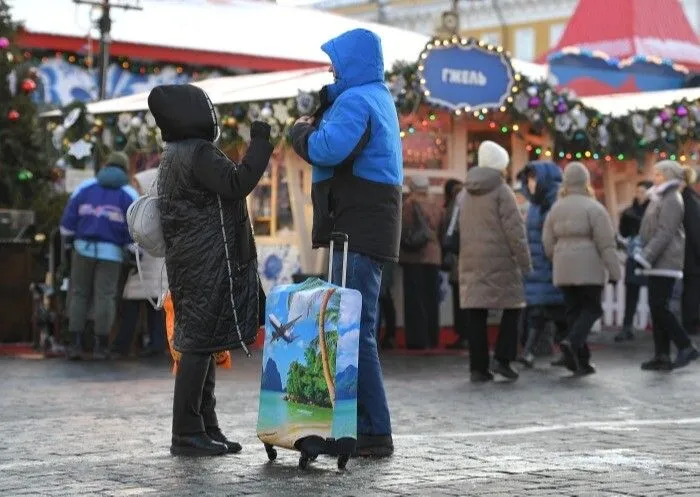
579 238
421 268
493 256
662 237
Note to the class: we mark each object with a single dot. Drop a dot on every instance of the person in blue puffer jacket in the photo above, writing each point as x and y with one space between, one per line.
545 302
95 217
354 146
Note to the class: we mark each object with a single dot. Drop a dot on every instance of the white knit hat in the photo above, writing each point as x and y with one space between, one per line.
493 156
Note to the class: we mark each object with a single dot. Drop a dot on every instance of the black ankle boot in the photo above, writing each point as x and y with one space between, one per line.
75 351
216 435
196 446
101 352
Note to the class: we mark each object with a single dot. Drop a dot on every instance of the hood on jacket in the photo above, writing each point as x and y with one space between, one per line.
548 176
357 59
183 112
112 177
482 180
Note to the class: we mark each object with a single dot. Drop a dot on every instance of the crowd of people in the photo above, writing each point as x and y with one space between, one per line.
547 263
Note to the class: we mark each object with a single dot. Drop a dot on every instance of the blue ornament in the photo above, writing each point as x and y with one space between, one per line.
272 267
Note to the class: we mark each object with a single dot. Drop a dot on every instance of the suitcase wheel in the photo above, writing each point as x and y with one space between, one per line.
343 461
304 461
271 452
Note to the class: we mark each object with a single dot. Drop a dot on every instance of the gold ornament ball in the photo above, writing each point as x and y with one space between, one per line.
98 123
231 122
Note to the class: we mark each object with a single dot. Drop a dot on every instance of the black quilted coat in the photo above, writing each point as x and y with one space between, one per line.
204 216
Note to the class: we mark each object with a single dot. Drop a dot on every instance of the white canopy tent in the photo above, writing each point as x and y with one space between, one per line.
253 28
624 103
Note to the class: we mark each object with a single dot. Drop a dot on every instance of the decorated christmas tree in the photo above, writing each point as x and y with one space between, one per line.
24 173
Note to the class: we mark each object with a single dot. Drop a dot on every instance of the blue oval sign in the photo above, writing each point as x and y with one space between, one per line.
464 76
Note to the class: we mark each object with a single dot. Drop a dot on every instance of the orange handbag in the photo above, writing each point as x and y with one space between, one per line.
223 359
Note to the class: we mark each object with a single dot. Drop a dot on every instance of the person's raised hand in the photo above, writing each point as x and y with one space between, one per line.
304 120
260 129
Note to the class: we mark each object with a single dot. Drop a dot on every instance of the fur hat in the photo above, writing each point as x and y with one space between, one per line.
576 174
418 183
118 159
670 169
493 156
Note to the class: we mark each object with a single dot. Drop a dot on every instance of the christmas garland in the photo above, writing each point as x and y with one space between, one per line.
579 132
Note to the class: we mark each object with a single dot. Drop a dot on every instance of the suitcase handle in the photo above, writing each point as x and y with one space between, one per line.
344 238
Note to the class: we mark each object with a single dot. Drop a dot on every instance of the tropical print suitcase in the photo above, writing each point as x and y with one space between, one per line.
308 389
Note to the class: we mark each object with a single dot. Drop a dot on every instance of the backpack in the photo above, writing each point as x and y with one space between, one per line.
143 220
416 236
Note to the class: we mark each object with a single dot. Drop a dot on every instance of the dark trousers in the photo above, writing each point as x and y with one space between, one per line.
93 281
691 303
631 302
387 313
420 294
583 309
536 323
194 401
460 315
666 325
155 319
506 345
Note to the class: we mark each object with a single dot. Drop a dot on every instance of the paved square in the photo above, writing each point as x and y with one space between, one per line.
104 428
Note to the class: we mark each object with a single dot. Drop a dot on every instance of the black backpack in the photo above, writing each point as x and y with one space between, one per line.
416 236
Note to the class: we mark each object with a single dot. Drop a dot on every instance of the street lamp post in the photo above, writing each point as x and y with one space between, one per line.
105 26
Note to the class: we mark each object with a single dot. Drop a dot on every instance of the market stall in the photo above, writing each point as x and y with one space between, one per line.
459 93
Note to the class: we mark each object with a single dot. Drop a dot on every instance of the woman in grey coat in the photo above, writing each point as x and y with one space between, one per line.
579 238
662 255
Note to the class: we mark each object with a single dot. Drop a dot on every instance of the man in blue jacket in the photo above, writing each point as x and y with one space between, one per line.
545 302
95 217
355 150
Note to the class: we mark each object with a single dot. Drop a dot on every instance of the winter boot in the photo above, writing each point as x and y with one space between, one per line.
75 351
624 334
101 351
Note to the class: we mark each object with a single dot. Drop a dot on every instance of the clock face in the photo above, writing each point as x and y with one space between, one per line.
450 20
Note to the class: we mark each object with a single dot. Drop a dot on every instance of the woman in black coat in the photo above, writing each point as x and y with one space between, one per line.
210 254
630 221
690 301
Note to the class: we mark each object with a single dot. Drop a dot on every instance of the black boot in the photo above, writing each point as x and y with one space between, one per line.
377 446
196 446
75 351
216 435
101 352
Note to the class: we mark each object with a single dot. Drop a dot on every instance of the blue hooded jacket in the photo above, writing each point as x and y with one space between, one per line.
539 289
355 150
96 215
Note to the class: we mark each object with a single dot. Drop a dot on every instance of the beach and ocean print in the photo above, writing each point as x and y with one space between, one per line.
309 369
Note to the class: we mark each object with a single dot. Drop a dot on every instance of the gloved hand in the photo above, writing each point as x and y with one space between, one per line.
260 129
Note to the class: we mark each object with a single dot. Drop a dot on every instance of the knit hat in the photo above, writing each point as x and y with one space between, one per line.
576 174
493 156
118 159
418 183
670 169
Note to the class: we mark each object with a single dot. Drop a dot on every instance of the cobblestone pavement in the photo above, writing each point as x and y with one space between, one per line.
103 429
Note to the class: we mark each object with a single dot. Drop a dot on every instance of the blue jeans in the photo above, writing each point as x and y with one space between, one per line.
365 275
156 327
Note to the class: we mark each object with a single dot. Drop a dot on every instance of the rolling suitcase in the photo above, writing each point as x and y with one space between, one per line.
308 388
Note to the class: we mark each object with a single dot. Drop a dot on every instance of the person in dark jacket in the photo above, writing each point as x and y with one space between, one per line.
210 254
545 302
690 301
95 217
630 221
387 310
450 258
356 153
